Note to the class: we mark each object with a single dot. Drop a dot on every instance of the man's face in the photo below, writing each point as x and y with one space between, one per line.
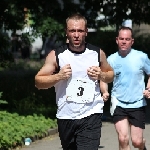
124 40
76 33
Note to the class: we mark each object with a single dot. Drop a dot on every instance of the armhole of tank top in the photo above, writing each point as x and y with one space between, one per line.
57 61
99 53
95 48
57 52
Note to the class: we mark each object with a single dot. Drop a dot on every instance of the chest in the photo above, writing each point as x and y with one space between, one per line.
128 66
79 62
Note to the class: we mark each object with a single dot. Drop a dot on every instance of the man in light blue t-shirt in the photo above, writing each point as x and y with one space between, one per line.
128 92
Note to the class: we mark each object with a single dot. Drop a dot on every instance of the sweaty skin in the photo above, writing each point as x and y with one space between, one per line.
76 32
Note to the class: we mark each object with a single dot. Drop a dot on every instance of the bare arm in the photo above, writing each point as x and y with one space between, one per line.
147 90
103 87
104 90
148 83
46 78
107 74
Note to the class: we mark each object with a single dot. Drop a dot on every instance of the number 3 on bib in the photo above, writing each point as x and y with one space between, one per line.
80 90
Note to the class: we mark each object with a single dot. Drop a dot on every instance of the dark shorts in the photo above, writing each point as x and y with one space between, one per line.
80 134
136 116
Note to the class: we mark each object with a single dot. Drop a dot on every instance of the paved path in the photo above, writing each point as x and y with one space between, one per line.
108 139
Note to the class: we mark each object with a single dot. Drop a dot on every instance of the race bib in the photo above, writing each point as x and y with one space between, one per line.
114 103
80 90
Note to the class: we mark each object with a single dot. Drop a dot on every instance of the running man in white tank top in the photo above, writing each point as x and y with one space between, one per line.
75 70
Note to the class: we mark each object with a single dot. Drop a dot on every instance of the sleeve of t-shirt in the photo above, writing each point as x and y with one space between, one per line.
109 60
147 65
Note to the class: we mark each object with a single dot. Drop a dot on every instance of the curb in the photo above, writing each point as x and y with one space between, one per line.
44 135
52 131
38 138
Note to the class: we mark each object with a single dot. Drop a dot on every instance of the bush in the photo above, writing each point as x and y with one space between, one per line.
14 128
142 43
6 57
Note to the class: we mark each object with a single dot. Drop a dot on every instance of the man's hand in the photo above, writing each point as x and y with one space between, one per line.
146 93
65 72
94 72
105 96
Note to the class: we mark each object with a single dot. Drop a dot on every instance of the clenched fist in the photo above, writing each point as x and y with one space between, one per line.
105 96
146 93
65 72
94 72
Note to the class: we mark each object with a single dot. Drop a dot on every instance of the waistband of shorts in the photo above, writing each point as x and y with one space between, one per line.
127 102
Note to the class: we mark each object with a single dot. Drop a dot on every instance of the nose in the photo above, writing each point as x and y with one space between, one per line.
124 41
76 34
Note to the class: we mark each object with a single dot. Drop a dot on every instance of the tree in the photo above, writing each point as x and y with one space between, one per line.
12 11
48 17
119 10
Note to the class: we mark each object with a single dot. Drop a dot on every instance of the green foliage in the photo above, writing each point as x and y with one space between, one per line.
6 57
48 26
14 128
104 39
22 96
38 12
12 15
142 43
2 101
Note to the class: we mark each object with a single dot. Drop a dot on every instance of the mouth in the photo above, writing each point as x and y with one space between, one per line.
123 46
76 42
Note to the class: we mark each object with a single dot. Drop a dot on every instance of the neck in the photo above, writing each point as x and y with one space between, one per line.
124 53
79 48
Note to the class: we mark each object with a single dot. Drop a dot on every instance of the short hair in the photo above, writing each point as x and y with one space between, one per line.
125 28
76 16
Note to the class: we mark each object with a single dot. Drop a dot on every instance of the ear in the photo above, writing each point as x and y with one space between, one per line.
132 41
117 40
66 31
86 31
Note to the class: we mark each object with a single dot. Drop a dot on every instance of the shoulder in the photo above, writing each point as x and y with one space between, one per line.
112 56
139 53
92 47
134 51
51 56
60 49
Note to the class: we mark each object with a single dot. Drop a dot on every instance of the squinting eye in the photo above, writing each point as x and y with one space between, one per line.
81 31
71 31
128 39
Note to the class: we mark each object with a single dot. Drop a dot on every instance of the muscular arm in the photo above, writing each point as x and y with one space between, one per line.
146 92
107 73
46 78
104 90
103 87
148 83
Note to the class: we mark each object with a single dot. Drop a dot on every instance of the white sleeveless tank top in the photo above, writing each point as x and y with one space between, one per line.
74 97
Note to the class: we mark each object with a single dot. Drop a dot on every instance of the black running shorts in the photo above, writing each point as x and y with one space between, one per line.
80 134
136 116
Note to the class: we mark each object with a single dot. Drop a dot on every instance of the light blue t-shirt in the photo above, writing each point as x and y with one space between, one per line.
128 84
